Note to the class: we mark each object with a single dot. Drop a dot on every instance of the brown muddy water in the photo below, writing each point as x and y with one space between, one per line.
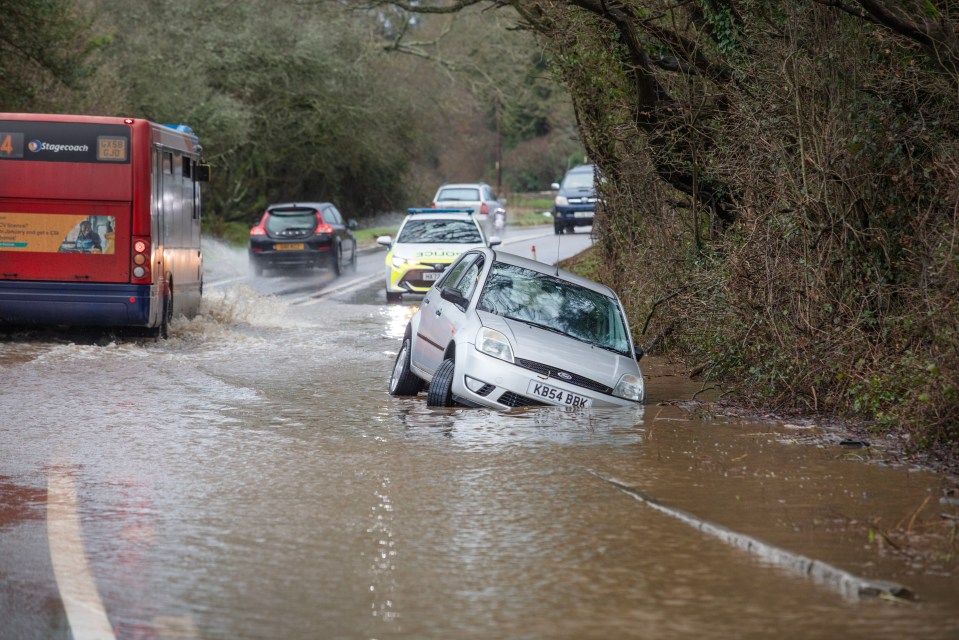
251 478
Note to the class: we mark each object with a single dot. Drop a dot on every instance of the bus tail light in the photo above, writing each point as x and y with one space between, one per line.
141 261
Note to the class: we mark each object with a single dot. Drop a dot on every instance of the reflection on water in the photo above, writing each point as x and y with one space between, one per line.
518 427
252 478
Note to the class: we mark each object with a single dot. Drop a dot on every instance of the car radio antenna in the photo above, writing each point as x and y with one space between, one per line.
559 238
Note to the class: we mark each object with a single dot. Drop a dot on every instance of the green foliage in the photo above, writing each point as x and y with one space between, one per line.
44 46
780 203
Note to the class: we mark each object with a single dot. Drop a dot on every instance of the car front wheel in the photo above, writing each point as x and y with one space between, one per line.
440 393
404 382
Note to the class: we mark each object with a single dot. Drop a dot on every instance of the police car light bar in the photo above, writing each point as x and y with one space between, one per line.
470 211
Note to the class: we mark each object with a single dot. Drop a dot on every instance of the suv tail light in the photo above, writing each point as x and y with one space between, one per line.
322 227
484 210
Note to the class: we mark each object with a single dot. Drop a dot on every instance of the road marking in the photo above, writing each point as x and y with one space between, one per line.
85 613
346 287
220 283
850 586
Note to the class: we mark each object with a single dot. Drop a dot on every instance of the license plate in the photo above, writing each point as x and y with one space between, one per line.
293 246
432 275
583 214
540 390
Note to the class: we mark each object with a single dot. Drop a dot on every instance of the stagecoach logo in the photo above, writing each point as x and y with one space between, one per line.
563 375
38 145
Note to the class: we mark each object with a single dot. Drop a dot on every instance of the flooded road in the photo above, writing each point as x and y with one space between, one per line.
250 477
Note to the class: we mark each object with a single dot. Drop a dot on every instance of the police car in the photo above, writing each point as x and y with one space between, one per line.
427 242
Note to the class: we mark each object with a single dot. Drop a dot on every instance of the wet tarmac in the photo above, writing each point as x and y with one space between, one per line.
250 477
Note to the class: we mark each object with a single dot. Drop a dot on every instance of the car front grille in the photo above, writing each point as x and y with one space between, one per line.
553 372
511 399
415 277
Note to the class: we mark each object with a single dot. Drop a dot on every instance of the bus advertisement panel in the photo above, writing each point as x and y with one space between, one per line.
99 221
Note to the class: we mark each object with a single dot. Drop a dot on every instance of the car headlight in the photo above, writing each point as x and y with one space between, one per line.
561 201
402 262
493 343
630 387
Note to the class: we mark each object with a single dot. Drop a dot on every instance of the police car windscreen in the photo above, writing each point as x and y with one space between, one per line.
440 232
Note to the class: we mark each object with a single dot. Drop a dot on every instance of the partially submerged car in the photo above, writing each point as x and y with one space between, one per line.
427 242
501 331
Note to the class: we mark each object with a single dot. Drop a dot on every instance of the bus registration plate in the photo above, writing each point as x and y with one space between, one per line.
292 246
540 390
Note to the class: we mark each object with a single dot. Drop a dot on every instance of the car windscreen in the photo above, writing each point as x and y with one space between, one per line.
578 180
440 232
556 305
287 219
465 194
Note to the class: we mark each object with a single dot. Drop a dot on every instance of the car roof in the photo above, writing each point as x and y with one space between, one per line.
298 205
581 168
548 269
463 184
439 216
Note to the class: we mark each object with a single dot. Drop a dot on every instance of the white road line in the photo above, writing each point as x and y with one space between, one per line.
85 613
220 283
346 287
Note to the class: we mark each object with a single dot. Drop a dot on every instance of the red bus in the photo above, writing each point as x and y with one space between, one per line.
99 221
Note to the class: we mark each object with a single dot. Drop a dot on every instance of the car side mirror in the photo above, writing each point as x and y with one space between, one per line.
352 224
493 241
386 241
554 186
454 296
640 352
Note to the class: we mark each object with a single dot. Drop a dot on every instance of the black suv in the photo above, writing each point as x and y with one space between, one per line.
575 202
302 234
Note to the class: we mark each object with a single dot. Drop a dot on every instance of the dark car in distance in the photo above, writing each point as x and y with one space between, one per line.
575 201
302 235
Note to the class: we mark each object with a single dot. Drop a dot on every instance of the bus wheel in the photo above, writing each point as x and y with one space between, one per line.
163 331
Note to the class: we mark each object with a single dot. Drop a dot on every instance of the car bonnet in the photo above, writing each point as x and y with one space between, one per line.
561 352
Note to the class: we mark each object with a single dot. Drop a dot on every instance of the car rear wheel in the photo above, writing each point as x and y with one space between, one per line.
256 267
440 393
337 257
404 382
353 258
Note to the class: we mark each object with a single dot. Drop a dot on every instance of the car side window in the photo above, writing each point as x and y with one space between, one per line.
329 216
466 285
336 215
453 274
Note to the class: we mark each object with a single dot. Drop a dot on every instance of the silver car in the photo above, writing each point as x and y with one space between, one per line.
502 331
477 196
